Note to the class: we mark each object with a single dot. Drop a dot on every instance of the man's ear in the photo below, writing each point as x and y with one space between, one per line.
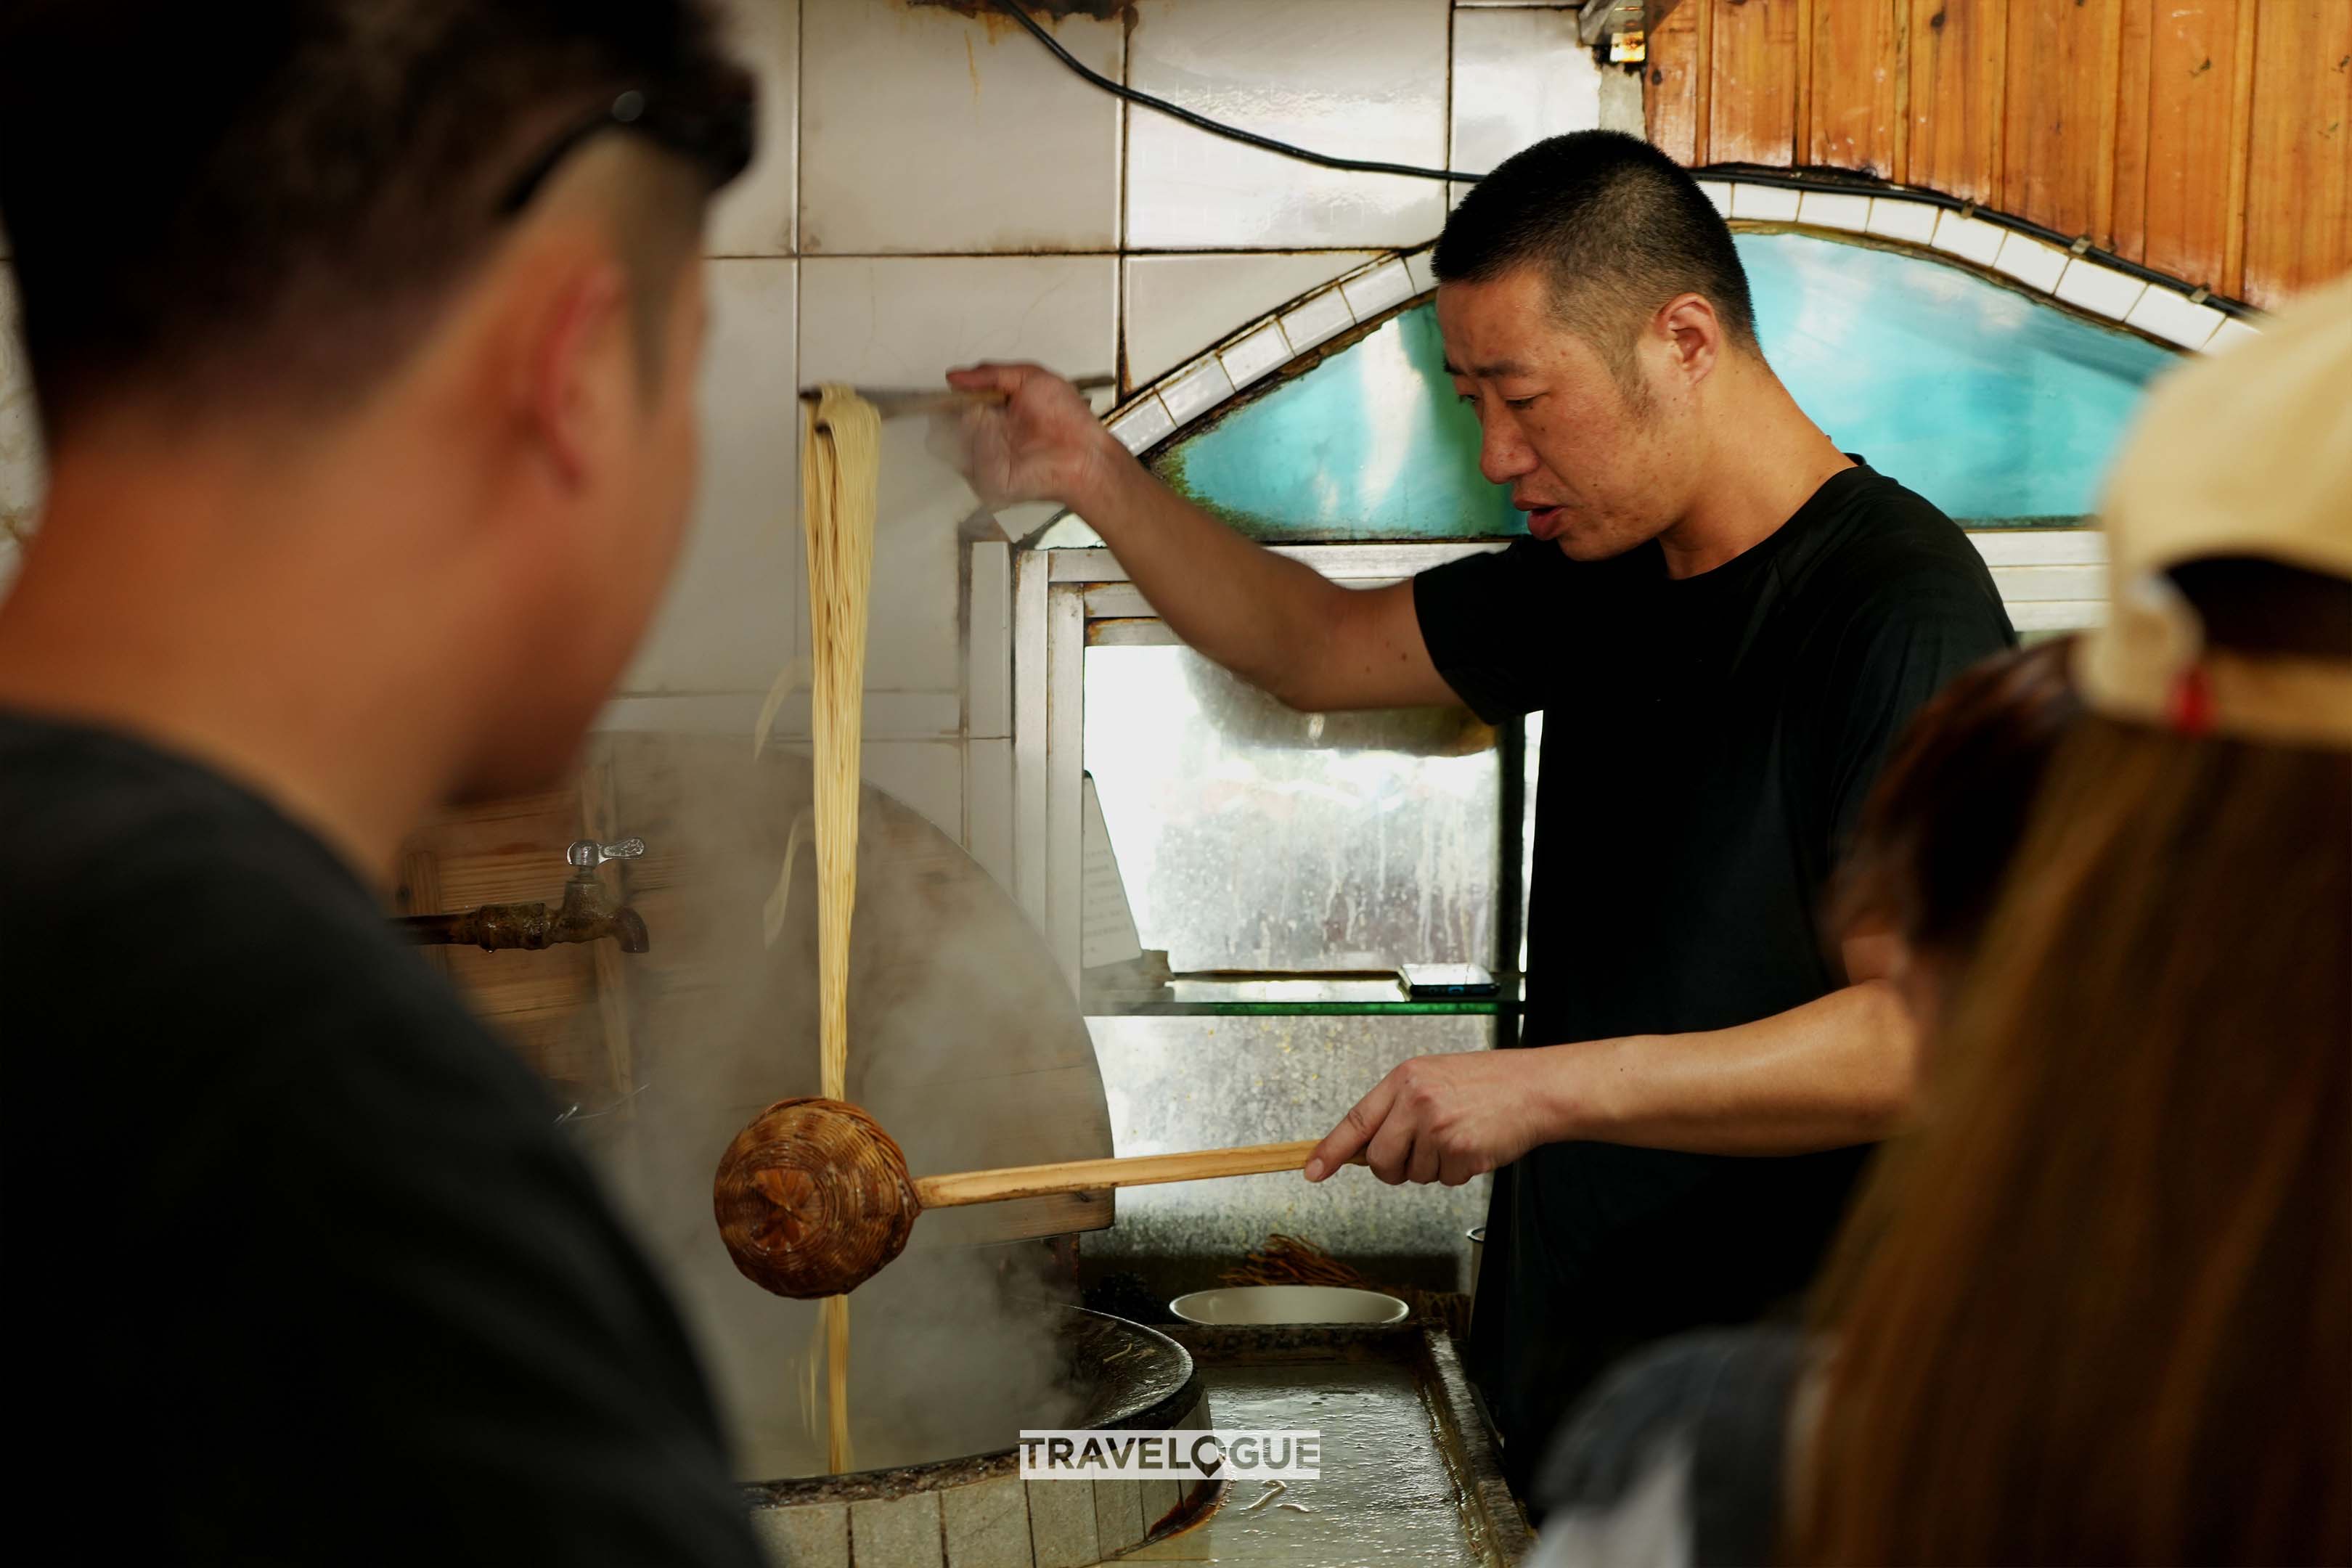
578 360
1692 333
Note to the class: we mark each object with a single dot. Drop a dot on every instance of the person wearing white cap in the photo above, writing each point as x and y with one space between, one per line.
2098 1306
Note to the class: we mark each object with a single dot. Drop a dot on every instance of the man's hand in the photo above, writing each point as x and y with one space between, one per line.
1442 1119
1043 444
1833 1072
1277 623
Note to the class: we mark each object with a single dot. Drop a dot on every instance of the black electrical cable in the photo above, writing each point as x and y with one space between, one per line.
1752 175
1218 128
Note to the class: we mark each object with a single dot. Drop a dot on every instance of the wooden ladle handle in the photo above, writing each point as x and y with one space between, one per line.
1093 1176
813 1196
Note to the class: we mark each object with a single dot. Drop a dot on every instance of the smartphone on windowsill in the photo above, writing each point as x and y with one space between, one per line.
1441 979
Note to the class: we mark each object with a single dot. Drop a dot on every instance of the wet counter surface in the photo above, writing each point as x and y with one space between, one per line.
1409 1470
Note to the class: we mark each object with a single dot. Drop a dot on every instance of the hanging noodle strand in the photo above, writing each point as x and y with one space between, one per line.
840 468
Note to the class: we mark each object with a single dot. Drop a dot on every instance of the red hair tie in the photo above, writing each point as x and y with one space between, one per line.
2189 708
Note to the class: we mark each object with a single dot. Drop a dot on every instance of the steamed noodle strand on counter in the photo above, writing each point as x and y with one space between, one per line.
840 469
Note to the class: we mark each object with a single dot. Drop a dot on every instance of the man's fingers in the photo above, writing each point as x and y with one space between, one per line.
1392 1147
1424 1165
1460 1168
1355 1130
1000 375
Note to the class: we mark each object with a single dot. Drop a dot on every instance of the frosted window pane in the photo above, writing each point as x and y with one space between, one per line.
1253 837
1175 1084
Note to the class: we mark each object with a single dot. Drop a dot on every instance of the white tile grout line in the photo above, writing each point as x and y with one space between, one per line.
800 105
1126 190
1452 64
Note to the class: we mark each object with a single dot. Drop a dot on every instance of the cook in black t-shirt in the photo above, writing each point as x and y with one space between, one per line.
1706 743
1725 619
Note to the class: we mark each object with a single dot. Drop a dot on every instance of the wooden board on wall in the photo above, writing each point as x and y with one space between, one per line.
1857 89
2298 227
2210 140
1958 72
2058 141
1671 94
2173 134
1752 81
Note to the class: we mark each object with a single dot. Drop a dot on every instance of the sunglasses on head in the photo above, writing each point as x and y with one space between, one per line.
715 127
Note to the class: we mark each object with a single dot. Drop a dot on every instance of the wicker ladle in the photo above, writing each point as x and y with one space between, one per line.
813 1197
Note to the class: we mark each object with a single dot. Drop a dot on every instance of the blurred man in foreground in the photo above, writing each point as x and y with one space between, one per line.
364 336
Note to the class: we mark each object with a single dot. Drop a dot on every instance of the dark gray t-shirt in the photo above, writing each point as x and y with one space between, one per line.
301 1268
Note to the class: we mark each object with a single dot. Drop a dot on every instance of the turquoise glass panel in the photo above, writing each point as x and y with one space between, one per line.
1996 407
1370 444
2000 409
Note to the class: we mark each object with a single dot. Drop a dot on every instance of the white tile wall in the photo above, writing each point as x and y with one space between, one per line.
905 321
1970 238
893 322
1768 204
1519 75
2029 260
755 217
1913 222
733 606
1363 80
2230 334
1178 305
1834 209
1199 388
1264 351
2100 288
1369 293
925 131
1422 265
1324 316
1141 423
2173 316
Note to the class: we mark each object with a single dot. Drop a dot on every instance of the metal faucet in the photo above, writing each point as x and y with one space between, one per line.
582 917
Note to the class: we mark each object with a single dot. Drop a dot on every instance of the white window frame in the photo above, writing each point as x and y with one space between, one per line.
1065 601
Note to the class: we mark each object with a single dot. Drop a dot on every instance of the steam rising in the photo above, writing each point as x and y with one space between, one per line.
965 1045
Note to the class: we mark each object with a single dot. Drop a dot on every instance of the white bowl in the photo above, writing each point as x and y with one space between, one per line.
1288 1304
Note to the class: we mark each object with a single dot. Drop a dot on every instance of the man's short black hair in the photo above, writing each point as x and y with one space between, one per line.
1619 228
271 198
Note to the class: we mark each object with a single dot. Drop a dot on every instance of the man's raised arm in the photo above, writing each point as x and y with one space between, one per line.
1280 626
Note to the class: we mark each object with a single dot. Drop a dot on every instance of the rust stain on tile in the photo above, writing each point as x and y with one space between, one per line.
1052 10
